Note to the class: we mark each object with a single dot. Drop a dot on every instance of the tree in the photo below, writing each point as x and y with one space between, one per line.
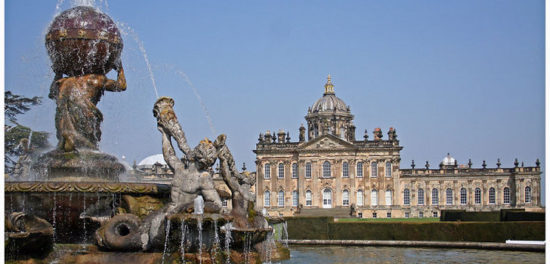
14 106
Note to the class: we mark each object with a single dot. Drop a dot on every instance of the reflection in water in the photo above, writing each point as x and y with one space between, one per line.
394 255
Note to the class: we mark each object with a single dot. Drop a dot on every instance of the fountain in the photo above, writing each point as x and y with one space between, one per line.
72 196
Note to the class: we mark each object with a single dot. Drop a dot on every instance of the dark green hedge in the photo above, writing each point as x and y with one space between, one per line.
496 216
325 228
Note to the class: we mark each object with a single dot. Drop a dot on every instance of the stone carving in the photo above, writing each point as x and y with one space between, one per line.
239 183
81 187
193 173
28 235
22 169
77 118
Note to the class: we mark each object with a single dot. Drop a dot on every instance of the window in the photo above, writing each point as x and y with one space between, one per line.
308 198
294 170
374 170
359 169
477 196
294 198
449 198
492 195
360 198
281 170
374 197
281 198
420 214
308 170
407 214
420 196
388 169
527 194
326 169
435 214
406 197
267 171
374 215
266 198
345 170
388 214
463 195
224 203
388 197
360 215
345 198
435 196
506 195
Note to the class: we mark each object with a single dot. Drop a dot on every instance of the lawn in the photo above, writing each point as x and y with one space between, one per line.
388 220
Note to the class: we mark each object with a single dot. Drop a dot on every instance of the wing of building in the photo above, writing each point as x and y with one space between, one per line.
332 173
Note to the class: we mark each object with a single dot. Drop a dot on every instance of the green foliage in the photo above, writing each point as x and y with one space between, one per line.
325 228
15 105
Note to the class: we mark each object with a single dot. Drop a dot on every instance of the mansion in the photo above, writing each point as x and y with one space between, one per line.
329 168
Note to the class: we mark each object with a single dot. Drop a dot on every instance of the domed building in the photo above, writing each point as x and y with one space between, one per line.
332 173
153 168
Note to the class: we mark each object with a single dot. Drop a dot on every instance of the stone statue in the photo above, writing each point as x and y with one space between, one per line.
192 174
77 118
239 183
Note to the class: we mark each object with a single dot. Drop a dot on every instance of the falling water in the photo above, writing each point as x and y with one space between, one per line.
127 30
216 244
268 247
199 225
113 206
199 98
285 233
182 244
69 207
11 203
246 250
227 243
84 220
166 239
198 205
54 215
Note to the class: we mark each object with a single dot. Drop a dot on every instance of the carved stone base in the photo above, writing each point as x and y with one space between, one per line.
83 165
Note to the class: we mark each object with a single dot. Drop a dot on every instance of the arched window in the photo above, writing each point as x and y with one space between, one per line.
267 171
345 198
388 197
374 169
359 198
420 196
527 194
374 198
463 196
388 169
308 198
281 170
308 170
449 198
326 169
491 195
266 198
281 198
359 169
294 170
294 198
477 196
506 195
345 170
406 197
435 196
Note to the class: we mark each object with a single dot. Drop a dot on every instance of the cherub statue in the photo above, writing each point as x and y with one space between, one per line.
193 173
242 200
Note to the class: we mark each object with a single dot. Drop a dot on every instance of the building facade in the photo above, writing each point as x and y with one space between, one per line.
332 169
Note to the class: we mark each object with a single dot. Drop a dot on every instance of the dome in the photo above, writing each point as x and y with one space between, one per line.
448 160
329 102
151 160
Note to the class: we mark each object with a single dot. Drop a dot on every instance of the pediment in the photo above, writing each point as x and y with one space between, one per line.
326 142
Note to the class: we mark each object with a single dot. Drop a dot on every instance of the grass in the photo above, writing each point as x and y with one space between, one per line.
390 220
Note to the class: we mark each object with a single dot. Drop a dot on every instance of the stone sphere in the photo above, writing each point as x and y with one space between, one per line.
83 40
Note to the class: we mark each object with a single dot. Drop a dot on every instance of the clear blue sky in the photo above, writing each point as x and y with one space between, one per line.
465 77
